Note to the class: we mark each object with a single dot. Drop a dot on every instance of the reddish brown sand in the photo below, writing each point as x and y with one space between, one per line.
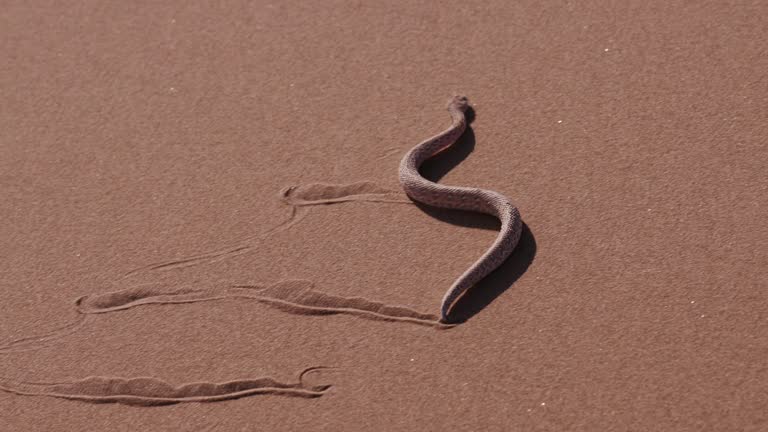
200 203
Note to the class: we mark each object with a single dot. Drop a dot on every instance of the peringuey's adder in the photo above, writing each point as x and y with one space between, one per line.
462 198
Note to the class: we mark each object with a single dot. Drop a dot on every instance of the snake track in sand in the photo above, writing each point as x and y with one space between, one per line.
489 202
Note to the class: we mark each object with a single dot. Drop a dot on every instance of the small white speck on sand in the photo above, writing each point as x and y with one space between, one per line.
559 121
693 301
606 50
543 404
412 359
702 316
172 89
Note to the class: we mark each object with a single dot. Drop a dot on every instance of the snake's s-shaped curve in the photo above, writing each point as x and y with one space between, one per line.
461 198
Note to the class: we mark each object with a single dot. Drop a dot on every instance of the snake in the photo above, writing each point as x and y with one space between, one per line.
424 191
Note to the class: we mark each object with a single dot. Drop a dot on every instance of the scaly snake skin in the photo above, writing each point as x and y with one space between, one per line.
462 198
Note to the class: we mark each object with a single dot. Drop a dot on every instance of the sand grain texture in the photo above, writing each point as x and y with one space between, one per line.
155 145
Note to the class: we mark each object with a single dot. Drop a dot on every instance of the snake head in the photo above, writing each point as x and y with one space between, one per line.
459 102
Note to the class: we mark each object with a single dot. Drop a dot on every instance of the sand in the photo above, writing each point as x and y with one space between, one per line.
202 226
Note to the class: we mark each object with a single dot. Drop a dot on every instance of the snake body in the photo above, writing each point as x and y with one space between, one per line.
485 201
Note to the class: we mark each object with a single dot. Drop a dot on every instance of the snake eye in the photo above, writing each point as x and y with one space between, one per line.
460 102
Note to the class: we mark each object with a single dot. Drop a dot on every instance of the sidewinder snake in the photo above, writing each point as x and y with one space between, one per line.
485 201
